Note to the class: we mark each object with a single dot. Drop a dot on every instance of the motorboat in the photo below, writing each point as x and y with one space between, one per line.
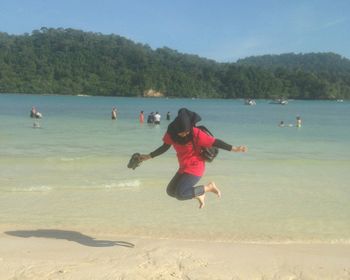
279 101
249 102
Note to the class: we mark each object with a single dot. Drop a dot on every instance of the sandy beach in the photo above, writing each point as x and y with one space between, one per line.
64 254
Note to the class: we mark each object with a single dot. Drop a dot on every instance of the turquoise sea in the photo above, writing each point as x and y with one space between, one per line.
292 185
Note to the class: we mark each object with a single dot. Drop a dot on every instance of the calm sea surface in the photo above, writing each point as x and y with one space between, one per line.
292 185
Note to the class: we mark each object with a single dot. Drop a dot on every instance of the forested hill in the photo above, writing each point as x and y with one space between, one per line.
310 62
68 61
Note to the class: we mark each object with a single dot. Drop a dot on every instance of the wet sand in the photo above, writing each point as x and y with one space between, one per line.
64 254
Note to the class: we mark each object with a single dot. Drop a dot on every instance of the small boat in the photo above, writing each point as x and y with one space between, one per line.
340 100
249 102
279 101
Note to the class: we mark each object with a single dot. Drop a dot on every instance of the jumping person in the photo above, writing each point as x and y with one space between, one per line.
187 139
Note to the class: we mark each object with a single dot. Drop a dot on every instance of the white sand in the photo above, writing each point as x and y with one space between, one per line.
59 254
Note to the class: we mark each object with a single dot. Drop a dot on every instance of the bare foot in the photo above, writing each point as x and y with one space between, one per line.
211 187
201 199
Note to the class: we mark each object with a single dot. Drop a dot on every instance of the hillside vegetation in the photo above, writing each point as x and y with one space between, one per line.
68 61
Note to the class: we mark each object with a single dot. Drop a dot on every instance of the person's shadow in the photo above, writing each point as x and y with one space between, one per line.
70 236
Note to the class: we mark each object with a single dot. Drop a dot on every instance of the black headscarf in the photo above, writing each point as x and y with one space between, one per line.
184 121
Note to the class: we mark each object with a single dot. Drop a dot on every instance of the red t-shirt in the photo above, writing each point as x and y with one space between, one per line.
189 157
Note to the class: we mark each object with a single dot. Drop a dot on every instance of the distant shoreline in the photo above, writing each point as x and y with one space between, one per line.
160 97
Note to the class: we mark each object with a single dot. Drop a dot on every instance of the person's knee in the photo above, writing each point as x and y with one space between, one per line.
176 194
180 195
170 192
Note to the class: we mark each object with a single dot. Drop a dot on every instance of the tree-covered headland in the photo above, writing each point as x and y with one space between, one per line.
68 61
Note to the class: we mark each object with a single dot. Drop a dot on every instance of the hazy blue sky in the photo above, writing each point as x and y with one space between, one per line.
224 30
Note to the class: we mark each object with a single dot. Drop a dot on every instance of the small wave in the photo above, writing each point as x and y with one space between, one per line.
124 184
71 159
33 189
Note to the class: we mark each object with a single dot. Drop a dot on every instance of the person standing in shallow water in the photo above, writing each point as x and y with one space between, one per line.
141 117
150 118
157 117
114 113
33 112
182 134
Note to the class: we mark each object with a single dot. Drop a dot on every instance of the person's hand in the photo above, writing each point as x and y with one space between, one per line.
239 149
145 157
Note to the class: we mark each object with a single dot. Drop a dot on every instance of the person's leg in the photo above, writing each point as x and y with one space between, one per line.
182 187
171 188
185 187
210 187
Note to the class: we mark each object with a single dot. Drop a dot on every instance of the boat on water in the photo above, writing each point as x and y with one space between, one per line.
249 102
279 101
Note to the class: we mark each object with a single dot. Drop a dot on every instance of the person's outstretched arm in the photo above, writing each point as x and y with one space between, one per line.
161 150
222 145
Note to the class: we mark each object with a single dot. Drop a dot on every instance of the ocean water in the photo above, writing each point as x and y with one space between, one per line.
291 186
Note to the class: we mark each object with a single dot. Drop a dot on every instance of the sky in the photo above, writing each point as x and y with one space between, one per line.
223 30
